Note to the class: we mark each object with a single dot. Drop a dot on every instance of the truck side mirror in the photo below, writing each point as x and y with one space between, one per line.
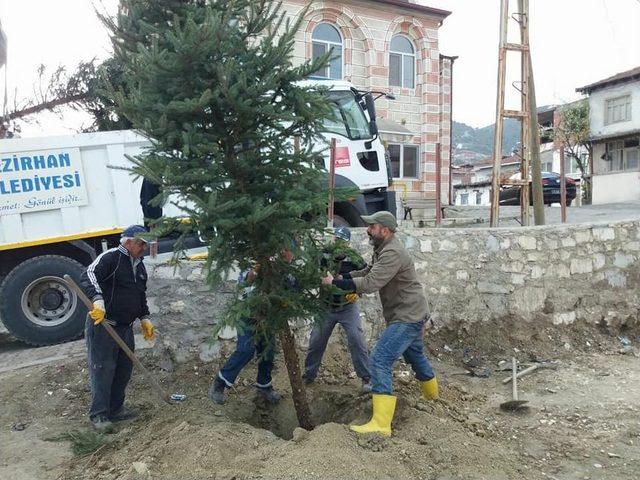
370 105
373 128
371 110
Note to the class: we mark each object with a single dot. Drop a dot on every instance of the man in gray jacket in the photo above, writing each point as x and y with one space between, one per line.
404 307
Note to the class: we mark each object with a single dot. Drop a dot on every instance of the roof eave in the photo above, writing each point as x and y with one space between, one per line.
587 89
436 12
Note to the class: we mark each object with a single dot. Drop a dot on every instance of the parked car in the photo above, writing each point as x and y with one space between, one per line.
510 194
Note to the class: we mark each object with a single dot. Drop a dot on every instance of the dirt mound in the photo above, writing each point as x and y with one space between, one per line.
245 439
430 441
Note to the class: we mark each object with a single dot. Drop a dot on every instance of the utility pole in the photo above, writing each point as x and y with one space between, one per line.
522 17
525 115
497 139
534 150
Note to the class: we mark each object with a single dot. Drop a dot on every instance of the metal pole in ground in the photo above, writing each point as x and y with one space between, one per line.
332 182
563 187
438 185
536 167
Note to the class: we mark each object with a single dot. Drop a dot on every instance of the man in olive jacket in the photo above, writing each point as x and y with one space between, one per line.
404 307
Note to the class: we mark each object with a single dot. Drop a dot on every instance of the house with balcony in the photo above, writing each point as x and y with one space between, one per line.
390 46
614 105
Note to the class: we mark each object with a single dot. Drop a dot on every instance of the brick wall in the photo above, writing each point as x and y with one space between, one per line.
367 28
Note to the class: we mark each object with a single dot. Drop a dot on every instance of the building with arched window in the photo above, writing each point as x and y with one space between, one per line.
390 46
326 38
402 62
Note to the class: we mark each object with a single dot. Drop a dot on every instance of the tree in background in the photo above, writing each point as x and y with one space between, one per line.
99 81
87 88
212 84
50 92
573 132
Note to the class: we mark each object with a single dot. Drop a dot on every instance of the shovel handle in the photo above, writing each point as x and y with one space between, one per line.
527 370
514 377
125 348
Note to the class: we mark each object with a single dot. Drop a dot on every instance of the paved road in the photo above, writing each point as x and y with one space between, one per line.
583 214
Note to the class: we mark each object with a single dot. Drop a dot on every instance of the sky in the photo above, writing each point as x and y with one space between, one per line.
53 33
573 43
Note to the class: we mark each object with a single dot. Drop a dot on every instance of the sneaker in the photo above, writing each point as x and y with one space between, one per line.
216 392
101 424
366 386
269 395
124 413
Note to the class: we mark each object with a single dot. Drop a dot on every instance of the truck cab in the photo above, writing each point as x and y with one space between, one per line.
360 160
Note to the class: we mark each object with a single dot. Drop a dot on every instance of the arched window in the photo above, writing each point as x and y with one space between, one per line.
402 63
326 38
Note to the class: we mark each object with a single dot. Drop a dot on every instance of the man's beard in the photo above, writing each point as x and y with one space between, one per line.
375 241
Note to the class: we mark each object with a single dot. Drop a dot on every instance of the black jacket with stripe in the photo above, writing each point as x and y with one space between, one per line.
121 281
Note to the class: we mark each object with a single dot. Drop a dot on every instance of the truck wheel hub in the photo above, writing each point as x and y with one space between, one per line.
48 301
51 299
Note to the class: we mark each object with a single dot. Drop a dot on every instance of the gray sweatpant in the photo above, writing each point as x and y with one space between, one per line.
349 318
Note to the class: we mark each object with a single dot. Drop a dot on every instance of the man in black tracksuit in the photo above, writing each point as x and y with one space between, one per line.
116 282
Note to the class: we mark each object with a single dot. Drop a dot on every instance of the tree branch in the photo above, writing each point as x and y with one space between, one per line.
50 105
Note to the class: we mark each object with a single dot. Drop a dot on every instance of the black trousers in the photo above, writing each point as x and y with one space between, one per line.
109 368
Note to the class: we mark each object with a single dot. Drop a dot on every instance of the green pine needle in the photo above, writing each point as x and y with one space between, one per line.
83 442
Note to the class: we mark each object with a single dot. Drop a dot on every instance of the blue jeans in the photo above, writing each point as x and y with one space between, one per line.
398 339
109 368
246 348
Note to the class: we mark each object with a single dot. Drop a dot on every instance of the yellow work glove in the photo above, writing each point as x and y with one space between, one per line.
147 329
352 297
98 312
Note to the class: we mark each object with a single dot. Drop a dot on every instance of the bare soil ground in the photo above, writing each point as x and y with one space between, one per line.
584 421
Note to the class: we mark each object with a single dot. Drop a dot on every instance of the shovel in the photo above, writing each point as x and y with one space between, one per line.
125 348
514 405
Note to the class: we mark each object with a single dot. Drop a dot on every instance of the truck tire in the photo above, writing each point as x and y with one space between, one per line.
36 304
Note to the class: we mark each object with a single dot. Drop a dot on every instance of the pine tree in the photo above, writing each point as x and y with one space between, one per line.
212 84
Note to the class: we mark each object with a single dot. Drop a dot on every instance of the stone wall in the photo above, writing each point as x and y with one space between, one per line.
554 274
558 274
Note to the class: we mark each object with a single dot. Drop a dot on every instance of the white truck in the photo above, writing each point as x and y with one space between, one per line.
65 199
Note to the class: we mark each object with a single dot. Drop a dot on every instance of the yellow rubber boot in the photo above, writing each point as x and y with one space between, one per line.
383 408
429 389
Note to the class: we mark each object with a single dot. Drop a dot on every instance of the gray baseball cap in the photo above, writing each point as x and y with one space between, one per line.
384 218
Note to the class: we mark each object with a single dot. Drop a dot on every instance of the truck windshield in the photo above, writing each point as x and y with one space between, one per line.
349 120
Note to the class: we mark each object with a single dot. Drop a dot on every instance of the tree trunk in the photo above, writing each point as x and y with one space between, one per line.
295 378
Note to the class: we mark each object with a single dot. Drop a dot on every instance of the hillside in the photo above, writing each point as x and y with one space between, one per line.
480 140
